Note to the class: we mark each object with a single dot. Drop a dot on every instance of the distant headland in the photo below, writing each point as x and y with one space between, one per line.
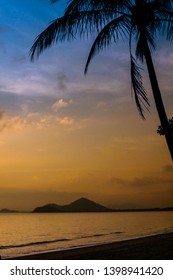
81 205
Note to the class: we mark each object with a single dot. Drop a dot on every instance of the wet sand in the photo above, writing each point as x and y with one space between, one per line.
157 247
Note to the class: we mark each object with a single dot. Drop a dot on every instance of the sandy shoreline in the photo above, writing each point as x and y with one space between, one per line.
157 247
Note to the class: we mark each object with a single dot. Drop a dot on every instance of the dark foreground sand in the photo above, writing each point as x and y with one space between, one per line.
158 247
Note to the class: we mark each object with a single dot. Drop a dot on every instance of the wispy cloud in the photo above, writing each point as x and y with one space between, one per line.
66 121
60 104
141 182
168 169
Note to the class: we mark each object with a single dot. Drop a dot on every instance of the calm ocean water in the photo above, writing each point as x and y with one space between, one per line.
22 234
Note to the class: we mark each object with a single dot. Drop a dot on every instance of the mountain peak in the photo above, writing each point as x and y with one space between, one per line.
82 199
80 205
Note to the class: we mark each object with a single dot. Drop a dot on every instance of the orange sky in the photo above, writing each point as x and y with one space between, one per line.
117 160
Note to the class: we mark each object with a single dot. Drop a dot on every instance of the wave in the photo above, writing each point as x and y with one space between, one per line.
56 240
33 243
94 235
101 234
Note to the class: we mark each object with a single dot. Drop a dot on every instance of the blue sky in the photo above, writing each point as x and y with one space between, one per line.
64 134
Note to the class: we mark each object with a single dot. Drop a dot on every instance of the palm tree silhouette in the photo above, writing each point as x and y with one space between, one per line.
141 20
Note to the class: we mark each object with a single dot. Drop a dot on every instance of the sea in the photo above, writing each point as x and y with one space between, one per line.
32 233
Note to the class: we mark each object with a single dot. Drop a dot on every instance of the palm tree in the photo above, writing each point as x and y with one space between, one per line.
138 20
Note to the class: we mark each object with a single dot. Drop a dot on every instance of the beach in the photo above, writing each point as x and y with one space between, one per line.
155 247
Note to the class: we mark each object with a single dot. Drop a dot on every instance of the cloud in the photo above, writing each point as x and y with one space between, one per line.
168 169
66 121
35 120
15 122
140 182
62 80
20 122
60 103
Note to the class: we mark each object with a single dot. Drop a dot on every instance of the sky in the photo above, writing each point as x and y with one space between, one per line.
64 135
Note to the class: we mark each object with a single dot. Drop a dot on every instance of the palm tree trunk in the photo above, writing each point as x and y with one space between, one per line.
158 99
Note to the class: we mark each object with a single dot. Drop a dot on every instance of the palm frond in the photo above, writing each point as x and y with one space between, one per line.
69 27
169 30
110 33
160 10
160 6
138 88
104 5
